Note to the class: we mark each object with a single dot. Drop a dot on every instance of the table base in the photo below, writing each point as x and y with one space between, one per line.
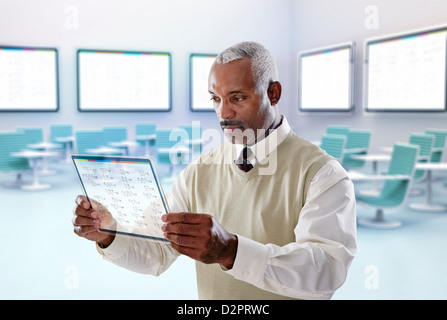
379 222
428 207
373 223
47 172
35 187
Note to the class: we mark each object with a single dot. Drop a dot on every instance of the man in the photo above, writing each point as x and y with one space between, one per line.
267 216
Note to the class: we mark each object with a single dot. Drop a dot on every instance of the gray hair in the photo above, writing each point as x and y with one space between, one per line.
262 61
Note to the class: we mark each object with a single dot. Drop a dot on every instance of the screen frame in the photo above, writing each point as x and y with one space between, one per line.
345 45
56 51
191 88
125 159
391 37
78 82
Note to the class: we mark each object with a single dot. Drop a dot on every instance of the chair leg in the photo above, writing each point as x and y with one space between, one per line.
15 184
379 221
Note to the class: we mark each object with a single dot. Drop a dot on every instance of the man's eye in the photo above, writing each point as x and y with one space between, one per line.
214 99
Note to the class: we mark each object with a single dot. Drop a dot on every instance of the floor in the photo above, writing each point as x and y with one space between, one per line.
43 259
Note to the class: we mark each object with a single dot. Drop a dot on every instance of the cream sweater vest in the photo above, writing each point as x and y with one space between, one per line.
263 204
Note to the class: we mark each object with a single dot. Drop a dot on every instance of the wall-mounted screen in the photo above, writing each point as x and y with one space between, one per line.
200 65
326 78
124 81
406 72
28 79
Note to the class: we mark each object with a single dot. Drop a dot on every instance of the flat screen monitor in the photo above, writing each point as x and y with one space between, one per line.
200 65
406 72
28 79
326 78
123 81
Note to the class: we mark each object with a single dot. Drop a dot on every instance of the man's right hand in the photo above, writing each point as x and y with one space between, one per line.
88 219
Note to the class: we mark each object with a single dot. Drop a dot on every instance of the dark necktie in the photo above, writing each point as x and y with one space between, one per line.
245 165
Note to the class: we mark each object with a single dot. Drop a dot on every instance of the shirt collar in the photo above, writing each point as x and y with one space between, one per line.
265 146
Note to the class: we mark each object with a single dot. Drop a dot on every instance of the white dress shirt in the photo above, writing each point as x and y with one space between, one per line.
326 232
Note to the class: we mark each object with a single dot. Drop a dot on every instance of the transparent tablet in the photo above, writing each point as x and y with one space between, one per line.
130 190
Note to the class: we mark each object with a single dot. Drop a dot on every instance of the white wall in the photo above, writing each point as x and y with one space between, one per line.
319 23
185 26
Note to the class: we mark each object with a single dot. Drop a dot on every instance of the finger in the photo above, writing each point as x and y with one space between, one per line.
180 240
183 229
83 202
84 230
84 221
80 211
190 252
183 217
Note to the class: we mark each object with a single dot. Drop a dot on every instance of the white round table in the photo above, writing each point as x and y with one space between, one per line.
428 205
33 157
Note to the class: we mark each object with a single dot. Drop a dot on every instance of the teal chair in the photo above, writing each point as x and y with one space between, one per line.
89 139
145 129
357 143
163 145
60 131
337 129
334 145
395 188
62 135
439 144
114 134
32 135
145 135
194 132
170 150
116 137
13 142
94 142
425 143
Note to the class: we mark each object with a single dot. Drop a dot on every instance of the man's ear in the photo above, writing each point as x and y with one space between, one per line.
274 92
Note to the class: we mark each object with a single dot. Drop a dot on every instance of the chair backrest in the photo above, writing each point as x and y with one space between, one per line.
12 142
114 134
337 129
163 141
334 145
32 135
194 131
403 161
168 138
425 143
60 131
145 129
356 140
439 144
89 139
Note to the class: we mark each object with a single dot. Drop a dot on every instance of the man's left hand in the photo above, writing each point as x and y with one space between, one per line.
200 237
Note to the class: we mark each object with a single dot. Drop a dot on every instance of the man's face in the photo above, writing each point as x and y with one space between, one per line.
240 109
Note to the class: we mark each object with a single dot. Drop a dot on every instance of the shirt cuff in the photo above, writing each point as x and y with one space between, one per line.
251 261
116 249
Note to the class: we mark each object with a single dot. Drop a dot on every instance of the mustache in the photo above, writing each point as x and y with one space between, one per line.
225 123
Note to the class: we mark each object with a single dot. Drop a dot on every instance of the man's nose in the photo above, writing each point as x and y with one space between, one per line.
226 110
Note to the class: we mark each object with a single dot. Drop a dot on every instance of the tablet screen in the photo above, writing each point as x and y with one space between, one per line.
130 190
